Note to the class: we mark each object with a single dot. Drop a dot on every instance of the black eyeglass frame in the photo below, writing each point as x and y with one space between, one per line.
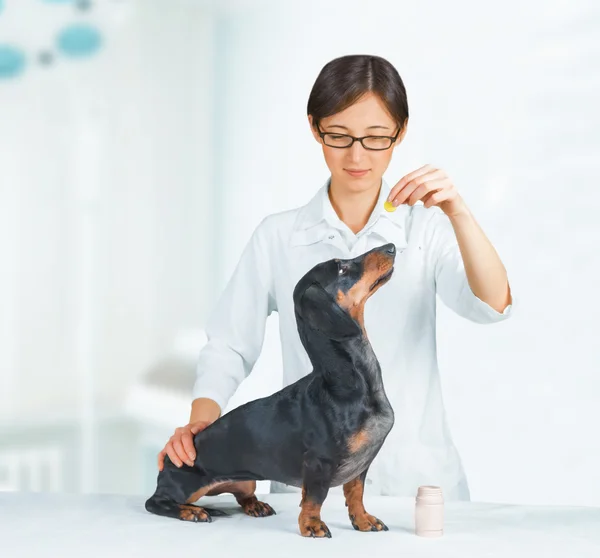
392 138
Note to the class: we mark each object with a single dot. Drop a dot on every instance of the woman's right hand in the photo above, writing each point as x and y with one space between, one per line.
180 447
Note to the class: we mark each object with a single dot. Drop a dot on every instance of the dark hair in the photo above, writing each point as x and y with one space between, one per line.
344 80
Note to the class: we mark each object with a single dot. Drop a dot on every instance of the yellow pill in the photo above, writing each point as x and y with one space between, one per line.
389 206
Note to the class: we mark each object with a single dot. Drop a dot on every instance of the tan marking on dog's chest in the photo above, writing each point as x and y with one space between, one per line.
358 440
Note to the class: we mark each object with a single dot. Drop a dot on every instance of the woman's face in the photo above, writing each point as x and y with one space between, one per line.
366 117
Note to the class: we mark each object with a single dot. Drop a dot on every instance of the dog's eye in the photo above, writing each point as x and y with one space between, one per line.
342 269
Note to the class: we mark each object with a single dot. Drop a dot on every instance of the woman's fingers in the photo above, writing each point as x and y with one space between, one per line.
172 453
188 446
426 188
180 453
406 179
180 447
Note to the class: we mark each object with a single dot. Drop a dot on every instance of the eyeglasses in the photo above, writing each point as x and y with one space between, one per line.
343 141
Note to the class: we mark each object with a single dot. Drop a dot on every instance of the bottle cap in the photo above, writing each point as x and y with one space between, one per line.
429 491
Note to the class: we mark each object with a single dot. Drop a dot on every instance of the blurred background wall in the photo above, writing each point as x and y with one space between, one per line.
142 141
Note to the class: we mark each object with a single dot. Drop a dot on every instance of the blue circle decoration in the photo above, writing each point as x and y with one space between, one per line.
1 5
79 40
12 61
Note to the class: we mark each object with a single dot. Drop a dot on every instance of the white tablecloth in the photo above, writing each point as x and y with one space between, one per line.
40 525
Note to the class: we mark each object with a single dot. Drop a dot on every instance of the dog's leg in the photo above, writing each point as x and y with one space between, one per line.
176 489
244 494
361 520
316 482
169 508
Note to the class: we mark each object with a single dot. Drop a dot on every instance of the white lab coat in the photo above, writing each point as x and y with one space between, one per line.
400 320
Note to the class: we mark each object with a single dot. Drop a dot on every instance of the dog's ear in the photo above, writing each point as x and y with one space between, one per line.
320 311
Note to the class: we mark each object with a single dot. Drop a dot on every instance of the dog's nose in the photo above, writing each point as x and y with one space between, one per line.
390 249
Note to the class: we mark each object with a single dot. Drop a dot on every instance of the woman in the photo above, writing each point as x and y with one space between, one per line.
358 112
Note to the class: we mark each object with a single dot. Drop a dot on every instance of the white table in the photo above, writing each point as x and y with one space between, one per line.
40 525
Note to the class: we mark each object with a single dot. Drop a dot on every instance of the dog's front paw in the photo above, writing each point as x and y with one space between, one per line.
314 527
256 508
367 522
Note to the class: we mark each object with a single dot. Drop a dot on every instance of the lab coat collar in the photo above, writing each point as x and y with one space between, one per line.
317 217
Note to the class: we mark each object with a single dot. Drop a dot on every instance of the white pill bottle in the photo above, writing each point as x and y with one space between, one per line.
429 512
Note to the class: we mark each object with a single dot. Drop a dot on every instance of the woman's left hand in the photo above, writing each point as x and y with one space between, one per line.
430 185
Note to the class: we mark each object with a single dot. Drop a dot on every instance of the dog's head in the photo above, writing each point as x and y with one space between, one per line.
330 298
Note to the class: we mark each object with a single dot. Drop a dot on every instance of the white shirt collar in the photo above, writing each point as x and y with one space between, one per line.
391 226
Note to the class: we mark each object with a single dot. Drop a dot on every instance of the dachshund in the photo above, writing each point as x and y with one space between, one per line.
323 430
